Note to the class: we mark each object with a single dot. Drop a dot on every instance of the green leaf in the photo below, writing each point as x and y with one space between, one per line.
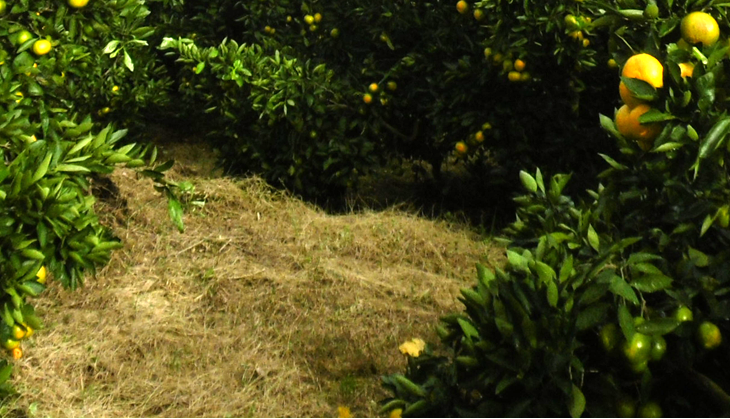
706 224
42 168
640 89
5 372
485 275
613 163
566 268
620 287
517 261
528 181
128 61
505 382
552 294
699 259
592 316
626 321
658 326
593 238
110 47
651 282
655 115
72 168
176 213
577 402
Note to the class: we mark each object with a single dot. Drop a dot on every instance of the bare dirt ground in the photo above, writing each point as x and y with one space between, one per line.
265 306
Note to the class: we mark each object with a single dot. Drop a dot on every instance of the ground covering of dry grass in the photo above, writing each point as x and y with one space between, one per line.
265 306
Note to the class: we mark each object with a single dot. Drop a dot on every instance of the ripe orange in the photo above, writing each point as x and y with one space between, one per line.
519 65
367 98
627 97
478 15
309 19
78 3
570 21
3 6
577 35
479 136
17 353
586 43
513 76
644 67
687 69
700 27
317 17
461 147
462 7
373 87
627 122
612 63
42 47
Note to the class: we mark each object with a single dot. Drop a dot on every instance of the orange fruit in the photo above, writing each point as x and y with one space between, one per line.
461 147
41 47
317 17
77 4
335 33
586 43
683 314
309 19
17 353
687 69
627 97
479 136
10 344
373 87
514 76
462 7
577 35
519 65
627 122
478 15
644 67
700 27
367 98
23 37
612 63
487 52
18 332
650 410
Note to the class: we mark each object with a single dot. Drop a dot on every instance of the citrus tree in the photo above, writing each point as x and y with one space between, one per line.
615 304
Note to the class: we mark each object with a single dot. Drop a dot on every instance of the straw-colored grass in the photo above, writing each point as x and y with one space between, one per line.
265 306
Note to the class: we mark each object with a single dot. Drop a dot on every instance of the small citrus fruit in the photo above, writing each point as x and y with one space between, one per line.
373 87
17 353
23 37
77 4
638 349
335 33
487 52
462 7
519 65
367 98
317 17
18 332
627 97
627 122
687 69
700 27
610 337
478 15
651 11
571 22
461 147
709 335
577 35
513 76
683 314
644 67
392 85
309 19
3 6
625 407
658 348
650 410
42 47
612 63
10 344
479 136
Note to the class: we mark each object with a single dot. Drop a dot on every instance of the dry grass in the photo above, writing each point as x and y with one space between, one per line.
265 306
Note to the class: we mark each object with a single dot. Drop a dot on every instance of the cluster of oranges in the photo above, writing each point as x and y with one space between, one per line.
515 70
313 21
461 148
374 89
576 26
696 28
11 337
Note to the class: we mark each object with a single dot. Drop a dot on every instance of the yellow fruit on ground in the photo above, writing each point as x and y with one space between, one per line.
627 97
367 98
627 122
514 76
42 47
644 67
18 332
78 3
10 344
462 7
700 27
41 275
17 353
461 147
373 87
687 69
519 65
